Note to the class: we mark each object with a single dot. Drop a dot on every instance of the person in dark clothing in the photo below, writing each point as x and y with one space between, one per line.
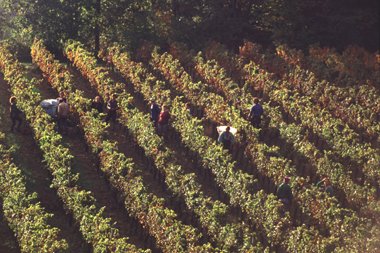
188 107
326 186
284 192
163 119
256 113
226 138
63 111
112 109
106 98
97 104
154 112
15 114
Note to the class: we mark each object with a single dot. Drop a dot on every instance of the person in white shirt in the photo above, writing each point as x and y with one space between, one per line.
226 138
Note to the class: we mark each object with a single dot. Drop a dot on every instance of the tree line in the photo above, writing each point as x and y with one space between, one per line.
298 23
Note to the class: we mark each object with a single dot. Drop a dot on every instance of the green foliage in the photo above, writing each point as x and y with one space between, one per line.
59 160
298 23
51 20
25 216
146 207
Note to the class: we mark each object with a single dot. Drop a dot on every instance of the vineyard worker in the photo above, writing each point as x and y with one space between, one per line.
106 97
256 113
62 114
326 186
154 112
109 61
62 95
188 108
15 113
97 104
163 119
226 138
112 109
284 192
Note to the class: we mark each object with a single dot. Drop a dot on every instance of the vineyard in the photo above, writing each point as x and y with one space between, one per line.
125 187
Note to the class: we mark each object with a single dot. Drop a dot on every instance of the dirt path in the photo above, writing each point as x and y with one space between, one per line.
244 164
28 158
153 179
271 137
181 154
126 144
92 179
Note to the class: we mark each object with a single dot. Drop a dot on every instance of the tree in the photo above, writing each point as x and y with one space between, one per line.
53 20
300 23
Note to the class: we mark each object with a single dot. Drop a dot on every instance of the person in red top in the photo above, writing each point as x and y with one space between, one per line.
163 119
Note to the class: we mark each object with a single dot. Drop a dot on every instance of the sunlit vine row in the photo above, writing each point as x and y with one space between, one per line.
161 222
95 228
26 217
